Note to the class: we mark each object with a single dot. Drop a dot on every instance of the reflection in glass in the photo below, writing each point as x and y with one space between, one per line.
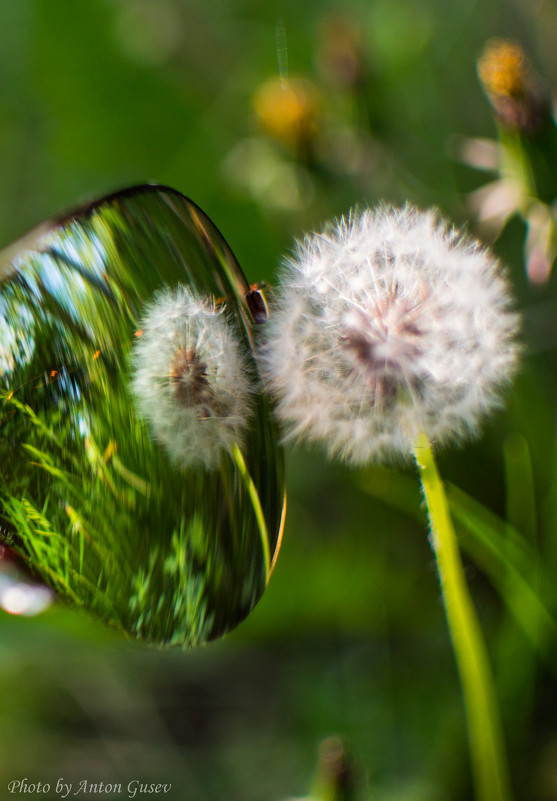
91 500
19 593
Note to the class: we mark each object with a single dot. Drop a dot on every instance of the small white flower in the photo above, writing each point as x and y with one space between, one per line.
190 378
389 324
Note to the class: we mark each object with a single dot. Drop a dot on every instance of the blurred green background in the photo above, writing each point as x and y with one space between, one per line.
350 637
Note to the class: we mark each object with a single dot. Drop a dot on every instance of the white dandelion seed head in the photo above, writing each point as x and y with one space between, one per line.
388 324
191 381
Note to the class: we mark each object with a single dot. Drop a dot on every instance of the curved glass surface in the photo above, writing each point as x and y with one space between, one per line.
91 499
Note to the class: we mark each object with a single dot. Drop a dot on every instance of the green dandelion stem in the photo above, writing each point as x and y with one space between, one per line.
484 727
256 503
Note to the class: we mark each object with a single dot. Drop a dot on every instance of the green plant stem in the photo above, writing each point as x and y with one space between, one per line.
484 727
256 503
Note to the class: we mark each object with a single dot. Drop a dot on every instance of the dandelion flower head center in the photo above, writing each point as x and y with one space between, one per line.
188 375
385 339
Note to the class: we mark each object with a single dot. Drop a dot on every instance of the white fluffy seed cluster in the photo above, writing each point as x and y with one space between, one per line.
191 381
388 324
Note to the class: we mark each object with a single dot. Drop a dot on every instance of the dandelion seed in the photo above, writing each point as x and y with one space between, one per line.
190 378
389 324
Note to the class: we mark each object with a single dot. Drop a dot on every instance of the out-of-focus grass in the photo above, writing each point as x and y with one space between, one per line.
350 636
